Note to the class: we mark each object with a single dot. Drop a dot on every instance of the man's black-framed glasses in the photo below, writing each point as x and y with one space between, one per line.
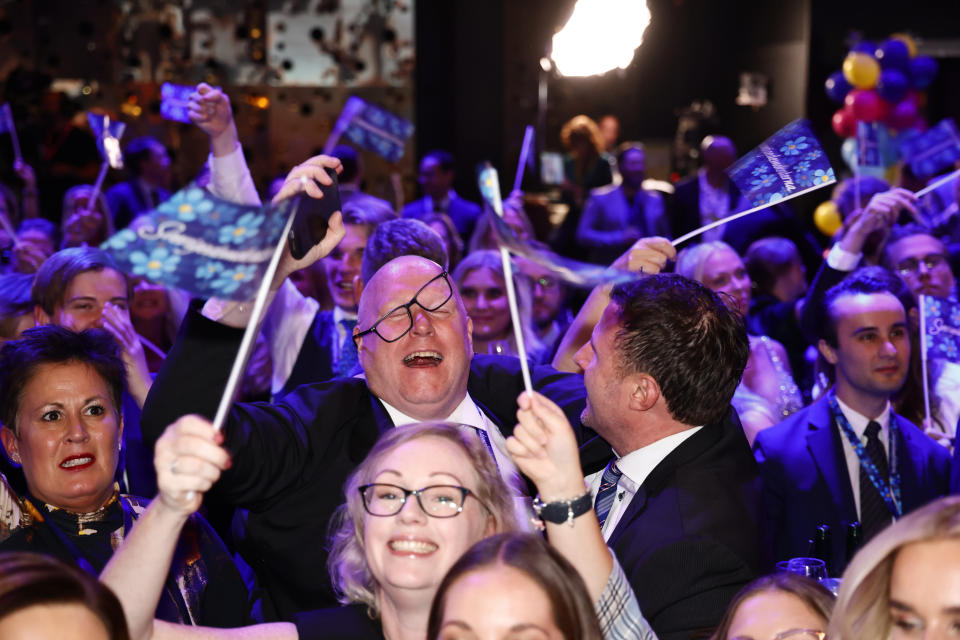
437 501
395 324
912 265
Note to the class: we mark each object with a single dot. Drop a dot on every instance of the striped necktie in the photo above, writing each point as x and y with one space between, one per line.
607 491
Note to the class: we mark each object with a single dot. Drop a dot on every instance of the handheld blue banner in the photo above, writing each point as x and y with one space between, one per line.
174 100
202 244
787 164
931 152
108 133
376 129
942 328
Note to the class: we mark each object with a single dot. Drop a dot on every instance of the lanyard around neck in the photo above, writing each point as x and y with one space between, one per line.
889 488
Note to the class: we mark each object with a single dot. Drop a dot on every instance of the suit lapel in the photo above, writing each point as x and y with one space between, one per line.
910 465
823 442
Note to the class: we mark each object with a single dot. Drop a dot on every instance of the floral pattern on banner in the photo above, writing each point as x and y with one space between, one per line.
931 152
788 162
199 243
377 130
943 328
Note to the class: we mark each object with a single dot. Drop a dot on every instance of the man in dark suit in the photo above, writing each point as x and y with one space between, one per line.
436 182
290 459
677 498
149 165
712 195
848 457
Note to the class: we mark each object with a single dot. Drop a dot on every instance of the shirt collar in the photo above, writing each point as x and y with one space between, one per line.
637 465
467 412
340 314
858 421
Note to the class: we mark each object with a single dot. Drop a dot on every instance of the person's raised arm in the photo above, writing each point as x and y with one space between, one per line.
647 255
188 460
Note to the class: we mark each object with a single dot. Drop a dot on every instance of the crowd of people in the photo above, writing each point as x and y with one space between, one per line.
714 448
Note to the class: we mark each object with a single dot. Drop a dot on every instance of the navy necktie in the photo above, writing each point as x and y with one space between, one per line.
874 514
348 350
607 491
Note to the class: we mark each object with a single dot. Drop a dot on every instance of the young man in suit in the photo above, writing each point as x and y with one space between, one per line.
149 165
848 457
436 182
677 497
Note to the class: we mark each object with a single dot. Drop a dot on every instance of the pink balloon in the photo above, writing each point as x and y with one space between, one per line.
865 104
844 124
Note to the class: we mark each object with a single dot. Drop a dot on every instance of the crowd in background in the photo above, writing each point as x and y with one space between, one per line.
750 408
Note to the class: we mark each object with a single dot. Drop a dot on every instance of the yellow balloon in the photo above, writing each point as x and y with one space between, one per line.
861 70
907 40
827 218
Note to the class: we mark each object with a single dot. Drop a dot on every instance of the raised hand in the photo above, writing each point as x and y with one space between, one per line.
301 178
188 459
117 322
647 255
544 448
209 109
878 216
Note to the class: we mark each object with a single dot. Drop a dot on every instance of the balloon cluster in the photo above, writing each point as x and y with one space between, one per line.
884 83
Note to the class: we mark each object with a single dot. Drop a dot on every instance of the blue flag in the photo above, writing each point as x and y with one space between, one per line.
788 163
108 133
174 99
202 244
376 129
931 152
943 328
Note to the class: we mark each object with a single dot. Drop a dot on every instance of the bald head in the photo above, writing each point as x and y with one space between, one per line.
423 370
718 152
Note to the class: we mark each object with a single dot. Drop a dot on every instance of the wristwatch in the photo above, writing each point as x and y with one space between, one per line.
563 511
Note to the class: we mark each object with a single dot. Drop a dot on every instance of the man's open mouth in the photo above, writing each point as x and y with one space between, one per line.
423 359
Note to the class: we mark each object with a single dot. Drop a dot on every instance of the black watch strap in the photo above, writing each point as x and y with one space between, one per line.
563 511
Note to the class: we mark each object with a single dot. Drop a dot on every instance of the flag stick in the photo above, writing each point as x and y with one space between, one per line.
490 187
17 156
930 187
923 361
743 214
253 326
97 187
524 157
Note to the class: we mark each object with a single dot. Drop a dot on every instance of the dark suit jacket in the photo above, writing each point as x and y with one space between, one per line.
778 220
806 482
463 213
315 360
127 201
290 459
689 538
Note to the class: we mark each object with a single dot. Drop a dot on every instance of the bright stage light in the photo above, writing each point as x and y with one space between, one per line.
599 36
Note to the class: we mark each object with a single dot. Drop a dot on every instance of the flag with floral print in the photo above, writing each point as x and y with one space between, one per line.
933 151
376 129
199 243
789 162
942 328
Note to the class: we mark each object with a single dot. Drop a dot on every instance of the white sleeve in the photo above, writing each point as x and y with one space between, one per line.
842 260
285 327
230 178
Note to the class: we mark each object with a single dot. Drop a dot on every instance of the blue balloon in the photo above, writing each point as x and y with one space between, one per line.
865 46
894 54
892 85
922 71
837 86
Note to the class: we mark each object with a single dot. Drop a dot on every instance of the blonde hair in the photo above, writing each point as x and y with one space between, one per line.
584 127
862 609
349 571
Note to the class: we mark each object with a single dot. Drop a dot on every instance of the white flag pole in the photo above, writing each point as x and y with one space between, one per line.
525 150
490 180
253 327
743 214
923 362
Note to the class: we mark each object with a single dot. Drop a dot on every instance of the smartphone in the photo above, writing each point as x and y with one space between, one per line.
310 225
